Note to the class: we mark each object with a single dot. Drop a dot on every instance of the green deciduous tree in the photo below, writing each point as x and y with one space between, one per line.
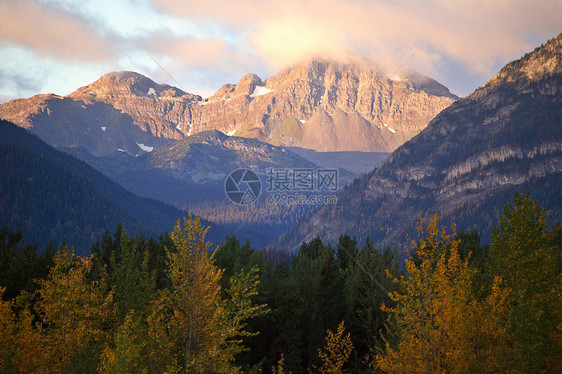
526 256
129 354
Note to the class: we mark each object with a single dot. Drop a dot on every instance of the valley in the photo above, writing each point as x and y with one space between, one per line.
280 187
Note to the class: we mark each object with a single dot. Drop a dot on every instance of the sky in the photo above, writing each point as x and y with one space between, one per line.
57 46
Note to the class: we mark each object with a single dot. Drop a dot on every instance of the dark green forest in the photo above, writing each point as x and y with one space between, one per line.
445 302
50 195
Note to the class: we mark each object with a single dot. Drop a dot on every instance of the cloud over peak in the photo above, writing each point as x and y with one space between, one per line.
461 43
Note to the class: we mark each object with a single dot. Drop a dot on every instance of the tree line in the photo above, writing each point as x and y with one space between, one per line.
446 303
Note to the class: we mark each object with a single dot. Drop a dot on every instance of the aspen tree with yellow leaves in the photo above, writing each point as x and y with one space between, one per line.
73 311
433 311
336 352
22 342
205 331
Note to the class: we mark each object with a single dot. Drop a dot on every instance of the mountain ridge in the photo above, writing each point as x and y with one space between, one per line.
466 164
320 105
190 174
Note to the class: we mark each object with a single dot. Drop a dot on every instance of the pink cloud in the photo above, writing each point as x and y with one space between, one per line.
51 32
474 33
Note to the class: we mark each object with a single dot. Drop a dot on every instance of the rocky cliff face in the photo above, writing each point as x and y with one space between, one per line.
319 105
155 108
325 106
472 157
120 111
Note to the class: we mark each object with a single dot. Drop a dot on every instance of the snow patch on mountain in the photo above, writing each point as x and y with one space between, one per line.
151 92
260 90
230 133
145 147
103 128
391 129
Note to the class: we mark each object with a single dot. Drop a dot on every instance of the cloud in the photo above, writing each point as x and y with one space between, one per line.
461 43
473 33
51 32
293 38
17 82
193 52
24 73
196 65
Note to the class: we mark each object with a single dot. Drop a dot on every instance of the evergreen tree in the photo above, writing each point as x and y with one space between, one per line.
526 255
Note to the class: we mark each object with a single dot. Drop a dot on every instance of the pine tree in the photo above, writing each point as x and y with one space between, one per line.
133 284
368 288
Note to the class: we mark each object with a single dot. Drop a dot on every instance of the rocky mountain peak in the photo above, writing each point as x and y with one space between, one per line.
332 72
127 84
245 87
543 61
321 104
247 84
431 86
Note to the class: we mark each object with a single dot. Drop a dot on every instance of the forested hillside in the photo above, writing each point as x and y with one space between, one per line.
49 195
444 303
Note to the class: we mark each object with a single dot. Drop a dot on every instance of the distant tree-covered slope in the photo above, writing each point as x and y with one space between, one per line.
49 203
50 195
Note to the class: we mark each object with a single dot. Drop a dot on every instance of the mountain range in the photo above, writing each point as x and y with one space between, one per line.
319 105
190 174
52 196
160 142
461 157
503 138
